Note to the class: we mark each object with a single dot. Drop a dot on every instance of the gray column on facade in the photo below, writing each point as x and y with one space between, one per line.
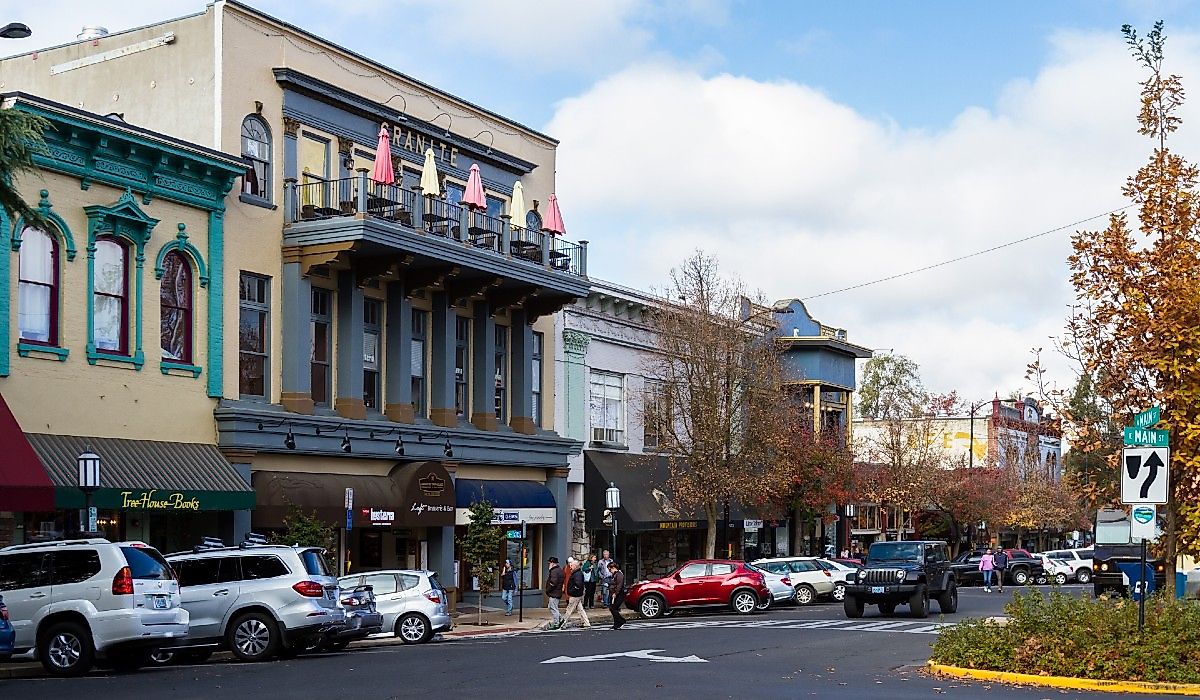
397 357
575 382
291 149
441 555
441 370
296 388
557 537
348 401
521 379
241 518
483 367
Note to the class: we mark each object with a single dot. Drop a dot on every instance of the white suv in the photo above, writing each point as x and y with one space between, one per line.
1080 561
79 601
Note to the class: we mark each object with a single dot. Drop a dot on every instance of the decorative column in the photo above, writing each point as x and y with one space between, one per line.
296 388
291 158
483 368
441 371
348 401
557 538
575 382
397 358
216 289
816 409
441 548
521 377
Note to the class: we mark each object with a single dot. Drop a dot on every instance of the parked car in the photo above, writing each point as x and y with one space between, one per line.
842 574
413 603
1191 588
903 573
1054 570
8 636
80 602
780 586
808 577
1020 570
362 619
257 600
706 582
1080 561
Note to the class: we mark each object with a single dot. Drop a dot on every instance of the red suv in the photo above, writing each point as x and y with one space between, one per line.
699 583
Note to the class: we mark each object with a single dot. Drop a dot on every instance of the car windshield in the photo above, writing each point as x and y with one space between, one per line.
895 551
147 564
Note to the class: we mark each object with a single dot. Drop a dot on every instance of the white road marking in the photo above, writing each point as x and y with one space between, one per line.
910 627
641 654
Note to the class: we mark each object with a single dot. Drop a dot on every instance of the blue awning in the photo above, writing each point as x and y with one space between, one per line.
503 494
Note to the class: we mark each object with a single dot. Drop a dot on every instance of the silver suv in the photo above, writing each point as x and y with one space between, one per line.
257 600
413 602
79 602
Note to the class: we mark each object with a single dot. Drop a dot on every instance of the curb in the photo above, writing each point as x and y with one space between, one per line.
1067 683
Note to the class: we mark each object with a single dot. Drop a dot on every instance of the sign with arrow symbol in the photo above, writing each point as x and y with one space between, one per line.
1144 475
640 654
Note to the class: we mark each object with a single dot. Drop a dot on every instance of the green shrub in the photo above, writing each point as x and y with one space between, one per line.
1065 635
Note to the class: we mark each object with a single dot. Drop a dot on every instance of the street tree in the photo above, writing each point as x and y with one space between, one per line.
305 529
480 547
20 138
1137 324
814 470
968 498
890 388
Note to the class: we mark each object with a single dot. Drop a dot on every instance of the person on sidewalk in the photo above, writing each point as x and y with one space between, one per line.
617 586
508 584
605 578
554 591
591 576
987 565
575 591
1000 562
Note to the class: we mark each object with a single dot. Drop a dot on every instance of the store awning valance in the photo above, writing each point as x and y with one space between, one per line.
143 474
513 501
24 484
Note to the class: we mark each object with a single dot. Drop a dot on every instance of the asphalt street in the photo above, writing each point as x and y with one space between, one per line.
790 652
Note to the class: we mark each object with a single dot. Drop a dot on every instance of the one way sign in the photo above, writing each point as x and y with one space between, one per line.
1144 475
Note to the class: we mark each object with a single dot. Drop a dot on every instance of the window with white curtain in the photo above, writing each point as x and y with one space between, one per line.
37 293
607 407
110 310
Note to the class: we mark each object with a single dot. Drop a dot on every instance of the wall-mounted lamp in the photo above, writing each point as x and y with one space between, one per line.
491 136
289 440
449 122
399 448
447 448
404 109
346 442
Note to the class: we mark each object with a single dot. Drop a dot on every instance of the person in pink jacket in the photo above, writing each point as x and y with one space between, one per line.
987 564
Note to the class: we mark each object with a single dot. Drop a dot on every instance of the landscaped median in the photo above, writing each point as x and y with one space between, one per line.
1075 642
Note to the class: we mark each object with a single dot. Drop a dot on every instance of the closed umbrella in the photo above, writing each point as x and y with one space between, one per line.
517 207
383 173
554 221
474 196
429 175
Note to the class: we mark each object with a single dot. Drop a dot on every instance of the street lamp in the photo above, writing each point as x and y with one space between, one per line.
971 446
89 481
612 501
15 30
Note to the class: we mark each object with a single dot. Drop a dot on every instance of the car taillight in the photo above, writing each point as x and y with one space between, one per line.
349 601
309 589
123 582
787 581
433 596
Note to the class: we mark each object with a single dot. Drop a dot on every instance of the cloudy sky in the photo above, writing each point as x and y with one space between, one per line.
811 146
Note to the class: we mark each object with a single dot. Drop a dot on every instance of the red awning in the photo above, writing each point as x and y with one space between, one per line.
24 484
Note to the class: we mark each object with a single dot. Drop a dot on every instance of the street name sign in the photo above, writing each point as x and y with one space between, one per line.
1144 524
1145 436
1144 477
1148 417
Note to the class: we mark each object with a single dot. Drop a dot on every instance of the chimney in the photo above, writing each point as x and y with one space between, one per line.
92 32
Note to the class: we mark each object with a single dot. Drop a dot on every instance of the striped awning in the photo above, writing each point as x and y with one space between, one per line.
144 474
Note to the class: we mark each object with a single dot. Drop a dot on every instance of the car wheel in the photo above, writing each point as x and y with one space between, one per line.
765 603
887 609
743 601
130 661
413 629
1060 579
839 592
66 650
948 600
805 594
1040 580
918 603
651 606
1084 576
1020 577
253 637
853 606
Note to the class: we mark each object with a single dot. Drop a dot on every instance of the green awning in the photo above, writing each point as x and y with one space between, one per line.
144 475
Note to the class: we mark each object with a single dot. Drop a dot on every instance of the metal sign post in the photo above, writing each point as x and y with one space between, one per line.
521 586
1142 597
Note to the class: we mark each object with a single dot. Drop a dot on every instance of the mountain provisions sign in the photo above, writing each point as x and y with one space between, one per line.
1144 478
640 654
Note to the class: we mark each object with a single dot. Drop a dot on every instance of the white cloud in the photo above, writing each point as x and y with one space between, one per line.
56 22
799 195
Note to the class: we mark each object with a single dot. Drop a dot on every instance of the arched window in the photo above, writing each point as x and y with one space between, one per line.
37 305
110 310
533 221
175 302
256 146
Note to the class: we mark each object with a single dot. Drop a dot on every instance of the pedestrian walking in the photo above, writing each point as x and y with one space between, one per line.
987 565
508 584
554 591
591 577
1000 562
605 578
617 585
575 591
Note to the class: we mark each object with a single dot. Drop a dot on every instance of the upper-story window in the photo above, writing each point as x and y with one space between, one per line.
495 207
462 364
607 407
314 172
254 333
533 221
175 304
372 332
256 147
502 373
536 378
322 323
37 293
656 411
110 311
420 319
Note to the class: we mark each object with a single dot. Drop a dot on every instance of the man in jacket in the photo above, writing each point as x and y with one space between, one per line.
554 591
1000 562
605 578
575 591
617 587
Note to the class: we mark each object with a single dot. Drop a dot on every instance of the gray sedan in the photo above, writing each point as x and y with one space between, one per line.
413 603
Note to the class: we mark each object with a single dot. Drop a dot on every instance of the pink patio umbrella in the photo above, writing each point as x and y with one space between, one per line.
474 196
554 222
383 173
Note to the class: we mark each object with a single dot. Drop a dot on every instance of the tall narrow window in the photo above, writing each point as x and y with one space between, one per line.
175 302
536 378
462 364
256 148
110 313
371 344
501 373
420 319
254 332
654 408
607 407
37 304
319 363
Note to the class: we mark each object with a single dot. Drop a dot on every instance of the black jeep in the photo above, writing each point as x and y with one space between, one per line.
903 572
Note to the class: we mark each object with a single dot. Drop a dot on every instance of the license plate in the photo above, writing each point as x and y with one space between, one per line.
161 602
877 589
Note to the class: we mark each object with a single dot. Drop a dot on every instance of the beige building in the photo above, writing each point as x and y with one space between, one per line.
390 338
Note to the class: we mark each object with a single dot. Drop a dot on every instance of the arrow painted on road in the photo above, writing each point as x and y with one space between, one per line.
641 654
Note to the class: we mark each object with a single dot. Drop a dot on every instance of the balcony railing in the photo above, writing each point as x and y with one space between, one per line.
315 200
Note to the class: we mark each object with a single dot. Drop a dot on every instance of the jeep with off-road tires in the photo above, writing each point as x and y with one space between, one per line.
903 573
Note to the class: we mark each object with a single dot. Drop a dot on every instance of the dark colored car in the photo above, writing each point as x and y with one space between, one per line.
903 573
8 636
1107 576
700 583
1020 570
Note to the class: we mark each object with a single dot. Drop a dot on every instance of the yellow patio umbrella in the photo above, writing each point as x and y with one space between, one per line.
429 175
517 208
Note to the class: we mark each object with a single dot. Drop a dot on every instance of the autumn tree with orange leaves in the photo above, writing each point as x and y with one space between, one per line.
1137 326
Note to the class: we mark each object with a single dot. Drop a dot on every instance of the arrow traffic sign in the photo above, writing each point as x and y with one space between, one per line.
1145 436
1144 475
1148 417
641 654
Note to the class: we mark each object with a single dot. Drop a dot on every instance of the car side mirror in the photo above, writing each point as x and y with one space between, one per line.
678 577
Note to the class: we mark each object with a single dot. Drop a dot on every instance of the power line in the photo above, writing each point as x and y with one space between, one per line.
967 256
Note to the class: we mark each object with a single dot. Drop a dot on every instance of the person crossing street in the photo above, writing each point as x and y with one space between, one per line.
575 590
617 587
554 591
